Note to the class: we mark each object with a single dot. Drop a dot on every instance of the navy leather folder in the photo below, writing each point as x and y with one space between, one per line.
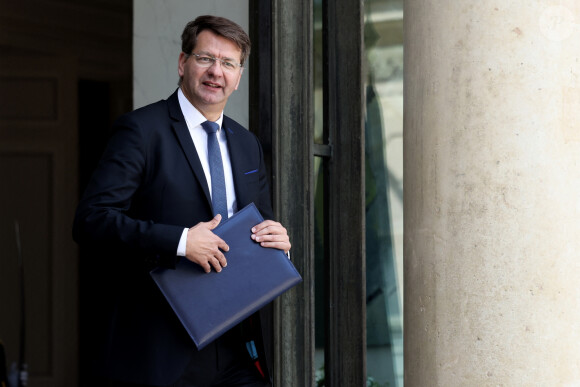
209 304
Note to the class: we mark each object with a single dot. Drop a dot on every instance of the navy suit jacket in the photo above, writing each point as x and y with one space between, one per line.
149 186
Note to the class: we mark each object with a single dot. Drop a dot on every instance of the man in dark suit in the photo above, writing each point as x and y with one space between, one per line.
149 204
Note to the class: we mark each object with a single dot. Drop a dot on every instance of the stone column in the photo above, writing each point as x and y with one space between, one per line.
492 193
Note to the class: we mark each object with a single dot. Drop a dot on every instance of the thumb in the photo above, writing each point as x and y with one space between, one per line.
215 221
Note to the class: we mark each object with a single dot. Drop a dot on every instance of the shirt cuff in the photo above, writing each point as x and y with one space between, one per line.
182 243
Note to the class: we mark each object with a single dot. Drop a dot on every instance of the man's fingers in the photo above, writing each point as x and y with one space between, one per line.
204 247
215 221
271 234
205 266
258 237
207 261
222 260
216 264
282 245
267 226
276 241
219 261
223 246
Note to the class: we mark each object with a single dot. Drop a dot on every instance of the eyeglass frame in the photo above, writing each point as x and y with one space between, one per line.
213 60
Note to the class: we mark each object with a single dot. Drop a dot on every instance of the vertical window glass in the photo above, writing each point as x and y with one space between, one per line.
319 273
319 198
383 37
318 79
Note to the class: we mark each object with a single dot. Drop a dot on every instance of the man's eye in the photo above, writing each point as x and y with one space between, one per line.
229 65
205 59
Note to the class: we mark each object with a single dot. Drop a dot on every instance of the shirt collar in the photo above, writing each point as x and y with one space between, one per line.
193 117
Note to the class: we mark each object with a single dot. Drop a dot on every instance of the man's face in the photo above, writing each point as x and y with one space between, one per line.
208 88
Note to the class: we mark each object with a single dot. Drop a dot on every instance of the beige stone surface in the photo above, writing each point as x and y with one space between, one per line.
492 193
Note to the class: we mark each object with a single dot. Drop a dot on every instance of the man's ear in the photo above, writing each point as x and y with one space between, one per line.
239 78
181 63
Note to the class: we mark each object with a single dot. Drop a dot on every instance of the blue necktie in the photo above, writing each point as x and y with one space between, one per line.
216 168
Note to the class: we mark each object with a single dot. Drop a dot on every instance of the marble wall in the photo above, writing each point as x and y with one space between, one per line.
492 188
156 46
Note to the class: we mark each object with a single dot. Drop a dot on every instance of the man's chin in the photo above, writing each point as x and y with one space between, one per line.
213 98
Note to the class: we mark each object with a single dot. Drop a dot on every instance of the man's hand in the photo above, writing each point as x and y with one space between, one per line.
271 234
204 247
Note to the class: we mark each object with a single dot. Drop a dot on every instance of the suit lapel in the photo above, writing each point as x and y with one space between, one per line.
182 132
237 161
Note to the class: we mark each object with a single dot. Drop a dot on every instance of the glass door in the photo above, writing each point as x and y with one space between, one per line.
383 37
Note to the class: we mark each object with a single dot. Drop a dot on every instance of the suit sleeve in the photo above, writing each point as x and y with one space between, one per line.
105 216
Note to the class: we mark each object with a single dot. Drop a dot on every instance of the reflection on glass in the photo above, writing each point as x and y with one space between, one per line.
384 191
319 215
318 72
319 274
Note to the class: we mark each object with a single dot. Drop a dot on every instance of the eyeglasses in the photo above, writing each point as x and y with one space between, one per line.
208 61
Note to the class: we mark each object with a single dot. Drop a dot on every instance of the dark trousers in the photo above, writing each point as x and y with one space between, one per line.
223 363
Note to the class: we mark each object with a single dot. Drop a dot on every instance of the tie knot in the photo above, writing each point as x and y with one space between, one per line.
210 127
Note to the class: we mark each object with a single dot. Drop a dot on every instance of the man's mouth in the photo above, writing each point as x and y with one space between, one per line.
213 85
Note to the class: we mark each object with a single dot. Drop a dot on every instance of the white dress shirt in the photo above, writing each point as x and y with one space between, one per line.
194 119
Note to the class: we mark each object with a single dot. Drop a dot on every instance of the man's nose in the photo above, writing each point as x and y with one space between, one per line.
216 67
